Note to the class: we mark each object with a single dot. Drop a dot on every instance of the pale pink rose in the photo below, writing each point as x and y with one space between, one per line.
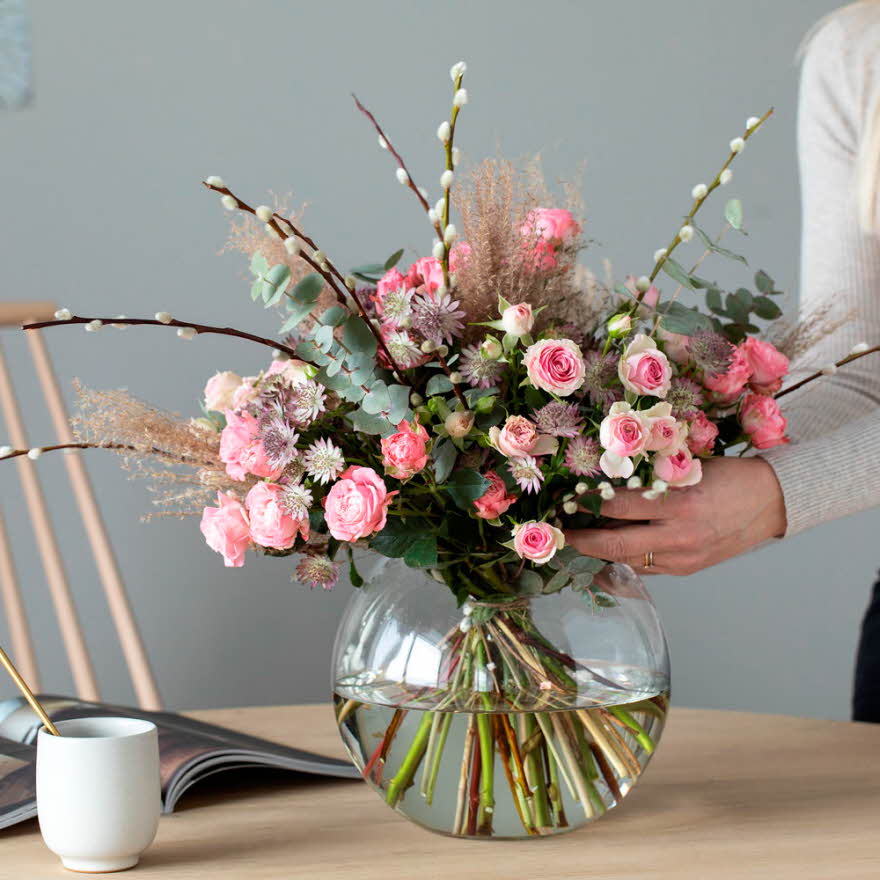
245 394
356 506
271 526
728 385
676 345
613 465
241 450
763 421
518 320
679 469
427 272
667 434
649 298
537 541
220 390
545 230
495 500
405 453
555 365
769 365
623 433
702 433
520 437
459 423
643 368
226 529
292 371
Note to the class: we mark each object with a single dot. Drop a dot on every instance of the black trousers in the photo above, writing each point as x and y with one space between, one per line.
866 686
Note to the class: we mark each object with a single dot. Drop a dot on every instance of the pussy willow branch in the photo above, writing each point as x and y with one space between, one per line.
199 328
819 374
399 159
331 275
145 450
447 192
455 386
676 240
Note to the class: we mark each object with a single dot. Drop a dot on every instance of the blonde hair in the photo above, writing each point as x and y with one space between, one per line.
868 158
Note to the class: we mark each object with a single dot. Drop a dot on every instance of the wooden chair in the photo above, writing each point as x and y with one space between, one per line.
13 314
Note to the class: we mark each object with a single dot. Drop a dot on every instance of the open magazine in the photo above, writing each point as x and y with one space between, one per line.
189 751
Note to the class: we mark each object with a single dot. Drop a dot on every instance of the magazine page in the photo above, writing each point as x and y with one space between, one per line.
18 785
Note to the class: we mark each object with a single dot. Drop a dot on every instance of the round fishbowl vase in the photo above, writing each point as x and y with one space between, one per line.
506 718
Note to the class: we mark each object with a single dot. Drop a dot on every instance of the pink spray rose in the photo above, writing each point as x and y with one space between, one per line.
728 385
623 433
546 230
643 368
220 389
763 421
392 280
226 529
245 393
241 450
271 526
405 453
518 320
495 500
292 371
679 469
427 272
537 541
768 364
675 345
701 434
520 437
667 433
357 505
555 365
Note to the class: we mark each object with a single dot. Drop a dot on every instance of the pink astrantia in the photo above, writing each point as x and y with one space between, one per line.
526 472
317 571
582 456
226 529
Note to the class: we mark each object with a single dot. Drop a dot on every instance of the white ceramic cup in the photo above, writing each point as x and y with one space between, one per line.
98 791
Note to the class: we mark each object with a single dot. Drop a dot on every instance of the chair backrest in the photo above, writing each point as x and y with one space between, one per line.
13 314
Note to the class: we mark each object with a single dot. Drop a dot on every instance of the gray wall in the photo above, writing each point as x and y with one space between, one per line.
102 211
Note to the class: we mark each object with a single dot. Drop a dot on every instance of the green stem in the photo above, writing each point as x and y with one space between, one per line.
404 776
535 776
434 768
642 735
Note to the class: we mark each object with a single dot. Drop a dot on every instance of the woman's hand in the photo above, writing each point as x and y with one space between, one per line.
737 505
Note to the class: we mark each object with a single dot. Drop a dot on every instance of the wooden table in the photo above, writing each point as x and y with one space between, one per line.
728 794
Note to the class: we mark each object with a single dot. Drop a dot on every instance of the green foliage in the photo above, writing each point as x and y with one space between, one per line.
678 273
410 540
334 316
715 248
399 408
393 260
357 336
572 569
733 214
353 574
444 455
438 384
679 318
465 486
370 423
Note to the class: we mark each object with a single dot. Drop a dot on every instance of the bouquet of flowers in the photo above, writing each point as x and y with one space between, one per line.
460 413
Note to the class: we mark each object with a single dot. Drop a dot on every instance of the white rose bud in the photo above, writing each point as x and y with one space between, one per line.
229 203
490 349
164 318
699 191
619 325
725 177
264 213
444 132
446 179
213 180
659 254
736 145
686 233
457 71
460 99
402 176
292 246
570 507
459 424
62 315
518 320
751 122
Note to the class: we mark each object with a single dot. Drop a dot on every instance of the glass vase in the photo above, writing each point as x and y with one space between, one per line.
521 717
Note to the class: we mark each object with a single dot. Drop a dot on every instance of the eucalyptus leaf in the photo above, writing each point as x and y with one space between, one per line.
678 318
764 282
465 486
357 336
444 455
334 316
713 300
717 249
370 423
529 583
557 582
308 289
399 408
332 381
745 298
438 384
393 260
278 276
370 268
257 289
308 351
324 338
378 400
259 266
735 309
677 272
298 312
733 213
765 308
582 580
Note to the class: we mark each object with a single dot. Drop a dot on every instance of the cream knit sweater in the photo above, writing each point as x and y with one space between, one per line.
832 466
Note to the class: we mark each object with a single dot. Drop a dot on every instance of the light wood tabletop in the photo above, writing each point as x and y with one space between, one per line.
728 794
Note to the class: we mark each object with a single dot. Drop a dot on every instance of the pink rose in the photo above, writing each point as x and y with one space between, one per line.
427 271
520 437
357 505
623 433
495 500
537 541
728 385
676 345
220 389
701 434
405 453
679 469
643 368
555 365
545 230
292 371
241 450
271 526
518 320
763 421
392 280
667 434
226 529
245 394
768 365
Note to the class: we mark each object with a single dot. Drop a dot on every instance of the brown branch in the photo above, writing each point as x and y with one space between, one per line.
819 374
455 387
15 453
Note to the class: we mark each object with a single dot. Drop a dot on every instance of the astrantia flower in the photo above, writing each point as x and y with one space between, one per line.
685 397
437 317
600 376
559 419
582 456
397 305
526 472
323 460
307 401
279 438
404 349
317 571
478 371
711 352
296 500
